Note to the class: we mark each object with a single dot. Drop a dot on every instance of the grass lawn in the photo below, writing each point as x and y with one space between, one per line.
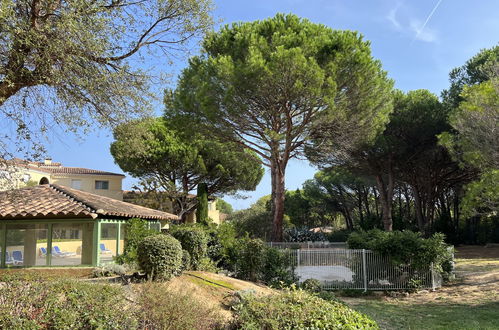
471 302
395 315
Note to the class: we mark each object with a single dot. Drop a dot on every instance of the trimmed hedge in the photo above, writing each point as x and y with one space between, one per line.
194 240
297 309
160 256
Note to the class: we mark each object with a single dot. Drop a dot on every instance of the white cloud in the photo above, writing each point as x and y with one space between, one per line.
403 21
422 33
392 17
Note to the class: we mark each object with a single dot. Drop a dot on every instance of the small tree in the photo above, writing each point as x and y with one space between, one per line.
202 207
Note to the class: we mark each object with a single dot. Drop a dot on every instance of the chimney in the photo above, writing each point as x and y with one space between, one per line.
47 161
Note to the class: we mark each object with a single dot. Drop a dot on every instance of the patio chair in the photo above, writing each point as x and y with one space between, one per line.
17 257
58 253
43 252
103 249
8 258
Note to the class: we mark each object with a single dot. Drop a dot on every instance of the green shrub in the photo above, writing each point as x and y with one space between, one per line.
160 256
194 240
221 241
311 285
186 260
161 307
207 265
277 270
297 309
63 304
250 258
404 247
135 231
254 261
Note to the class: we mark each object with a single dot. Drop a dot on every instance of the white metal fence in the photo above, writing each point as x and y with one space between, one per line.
308 245
359 269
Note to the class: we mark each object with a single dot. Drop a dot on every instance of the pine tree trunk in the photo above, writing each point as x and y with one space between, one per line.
278 196
386 197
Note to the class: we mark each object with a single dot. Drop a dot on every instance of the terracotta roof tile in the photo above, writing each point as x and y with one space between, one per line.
57 168
47 201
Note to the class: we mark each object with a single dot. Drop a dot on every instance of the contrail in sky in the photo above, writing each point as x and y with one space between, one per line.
427 19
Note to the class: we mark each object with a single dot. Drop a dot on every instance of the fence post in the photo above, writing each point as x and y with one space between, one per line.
364 269
298 253
432 277
271 244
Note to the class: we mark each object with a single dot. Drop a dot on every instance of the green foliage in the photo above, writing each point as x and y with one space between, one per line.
202 206
63 304
311 285
297 309
303 235
250 258
256 221
207 265
254 261
186 260
163 307
135 231
476 138
77 62
175 160
277 268
160 256
194 240
312 74
404 247
221 241
482 196
471 73
224 206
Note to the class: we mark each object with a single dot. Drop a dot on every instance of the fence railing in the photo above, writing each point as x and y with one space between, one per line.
308 245
359 269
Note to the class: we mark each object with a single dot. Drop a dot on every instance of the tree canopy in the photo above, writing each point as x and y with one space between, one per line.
265 84
176 162
74 63
476 139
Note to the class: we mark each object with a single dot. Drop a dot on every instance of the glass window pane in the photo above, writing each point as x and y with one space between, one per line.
26 245
107 245
101 184
76 184
72 244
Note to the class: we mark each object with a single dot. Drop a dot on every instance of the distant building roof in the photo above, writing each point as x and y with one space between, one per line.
54 201
56 168
132 193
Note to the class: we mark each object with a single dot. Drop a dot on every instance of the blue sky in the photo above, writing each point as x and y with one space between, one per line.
414 57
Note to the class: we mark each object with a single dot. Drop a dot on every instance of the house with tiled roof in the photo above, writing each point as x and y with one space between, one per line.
98 182
160 201
52 225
